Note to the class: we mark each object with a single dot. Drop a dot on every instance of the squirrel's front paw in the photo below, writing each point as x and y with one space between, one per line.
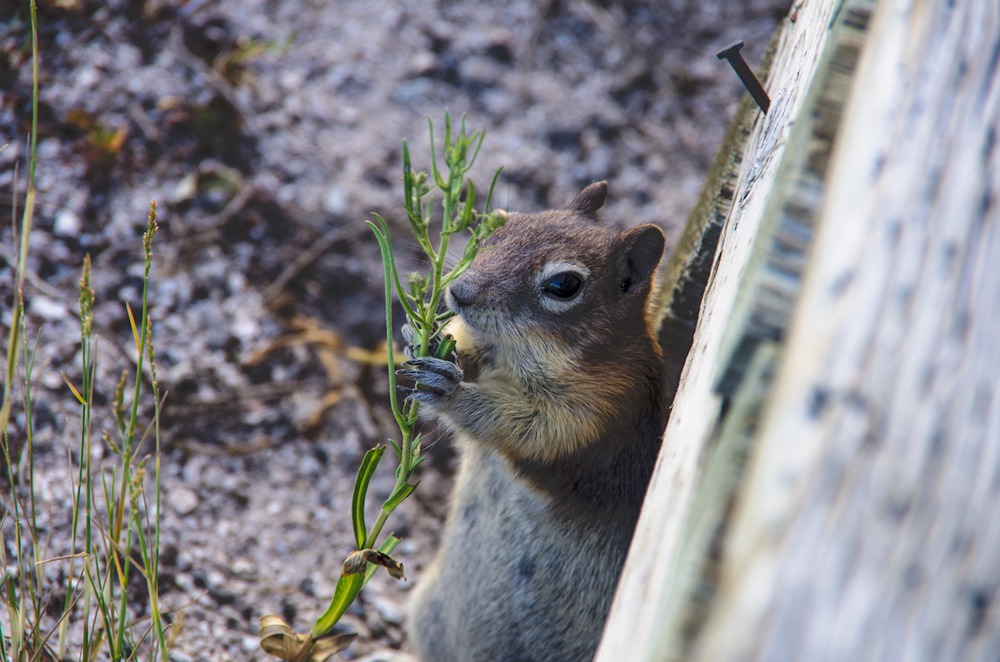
434 379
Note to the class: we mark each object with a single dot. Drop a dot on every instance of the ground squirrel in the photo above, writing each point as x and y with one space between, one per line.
558 404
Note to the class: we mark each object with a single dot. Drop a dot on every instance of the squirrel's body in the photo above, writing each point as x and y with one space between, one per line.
558 411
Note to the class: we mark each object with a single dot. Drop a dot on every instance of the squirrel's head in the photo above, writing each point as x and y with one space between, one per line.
560 277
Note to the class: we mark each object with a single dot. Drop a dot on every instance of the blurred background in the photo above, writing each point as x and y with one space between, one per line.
267 131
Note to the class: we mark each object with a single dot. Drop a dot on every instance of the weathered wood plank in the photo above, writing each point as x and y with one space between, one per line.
681 286
753 345
643 601
869 526
774 276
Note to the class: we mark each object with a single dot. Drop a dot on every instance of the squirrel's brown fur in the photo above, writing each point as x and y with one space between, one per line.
558 408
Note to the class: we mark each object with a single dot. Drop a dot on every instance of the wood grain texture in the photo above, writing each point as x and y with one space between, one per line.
647 596
869 524
867 396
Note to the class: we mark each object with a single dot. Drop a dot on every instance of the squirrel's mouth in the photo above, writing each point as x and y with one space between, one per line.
482 321
470 326
467 315
470 322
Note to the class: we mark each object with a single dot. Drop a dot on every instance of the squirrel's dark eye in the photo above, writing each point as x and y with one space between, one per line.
563 285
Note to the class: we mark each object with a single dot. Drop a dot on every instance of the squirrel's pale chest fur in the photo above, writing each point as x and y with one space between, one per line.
557 405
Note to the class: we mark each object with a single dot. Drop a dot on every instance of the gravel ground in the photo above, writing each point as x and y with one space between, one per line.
267 130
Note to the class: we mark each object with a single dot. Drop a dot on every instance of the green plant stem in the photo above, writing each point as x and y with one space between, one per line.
384 512
84 485
29 449
420 303
423 314
105 571
28 577
382 236
27 216
406 451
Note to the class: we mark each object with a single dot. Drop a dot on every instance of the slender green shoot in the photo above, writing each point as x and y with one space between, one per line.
102 535
439 205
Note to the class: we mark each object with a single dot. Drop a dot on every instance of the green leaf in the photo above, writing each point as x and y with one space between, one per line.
407 181
381 232
445 348
467 213
365 472
399 495
348 587
438 180
489 193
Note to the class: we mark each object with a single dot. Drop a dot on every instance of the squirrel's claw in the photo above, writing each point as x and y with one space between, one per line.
433 378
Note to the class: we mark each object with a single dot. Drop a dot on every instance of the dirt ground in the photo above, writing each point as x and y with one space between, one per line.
267 131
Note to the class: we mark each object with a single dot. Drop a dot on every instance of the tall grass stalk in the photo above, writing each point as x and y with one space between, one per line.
19 606
111 513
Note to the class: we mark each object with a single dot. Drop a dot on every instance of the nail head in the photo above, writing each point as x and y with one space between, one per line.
730 50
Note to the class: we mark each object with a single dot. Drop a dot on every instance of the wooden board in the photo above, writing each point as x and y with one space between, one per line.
868 526
866 395
649 592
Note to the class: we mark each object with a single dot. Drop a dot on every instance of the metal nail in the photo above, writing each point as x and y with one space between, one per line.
742 69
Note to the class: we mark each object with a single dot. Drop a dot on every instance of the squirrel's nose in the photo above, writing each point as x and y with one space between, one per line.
462 291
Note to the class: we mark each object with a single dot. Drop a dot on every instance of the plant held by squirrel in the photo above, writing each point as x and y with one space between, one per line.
421 300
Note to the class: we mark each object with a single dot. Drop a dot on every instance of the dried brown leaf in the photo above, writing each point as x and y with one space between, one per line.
277 639
357 562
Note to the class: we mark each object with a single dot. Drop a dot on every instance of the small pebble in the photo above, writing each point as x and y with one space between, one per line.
182 499
390 609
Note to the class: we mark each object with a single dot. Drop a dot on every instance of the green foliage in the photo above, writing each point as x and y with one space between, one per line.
449 193
115 530
365 472
110 512
421 300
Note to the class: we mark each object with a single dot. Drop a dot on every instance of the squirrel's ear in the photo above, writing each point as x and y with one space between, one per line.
642 247
590 199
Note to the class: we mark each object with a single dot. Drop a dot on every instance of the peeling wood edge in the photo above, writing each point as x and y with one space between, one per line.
686 273
747 379
685 277
692 265
700 554
771 605
774 275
